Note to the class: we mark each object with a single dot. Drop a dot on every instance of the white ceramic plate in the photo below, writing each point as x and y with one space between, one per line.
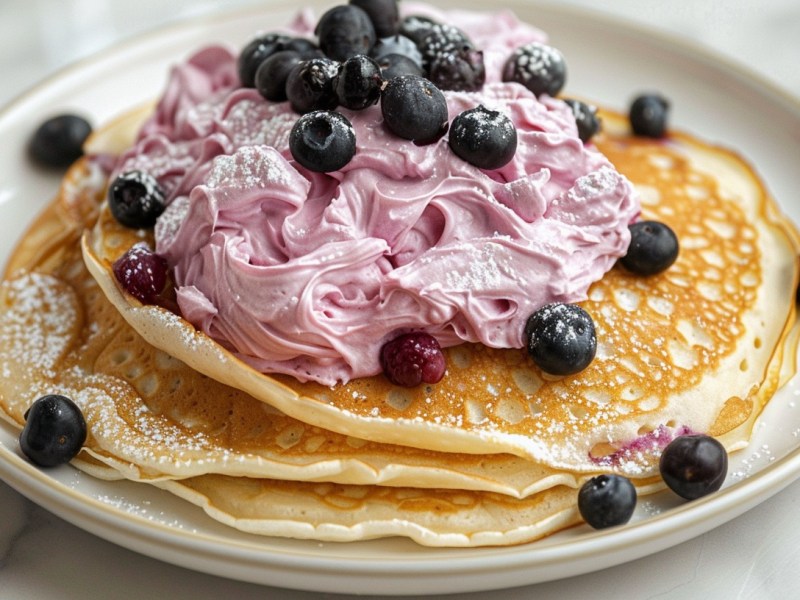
609 62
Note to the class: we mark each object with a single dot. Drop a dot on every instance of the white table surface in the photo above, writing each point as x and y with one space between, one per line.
756 556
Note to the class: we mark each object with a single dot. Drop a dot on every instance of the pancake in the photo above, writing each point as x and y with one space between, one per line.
696 348
154 419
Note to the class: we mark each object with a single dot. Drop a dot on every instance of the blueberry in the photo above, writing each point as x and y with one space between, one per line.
256 52
344 31
58 142
484 138
395 65
561 338
142 273
322 141
273 73
607 501
585 118
694 466
413 358
442 39
309 85
384 14
414 108
305 47
459 71
136 200
358 84
648 115
539 67
416 27
653 248
396 44
54 432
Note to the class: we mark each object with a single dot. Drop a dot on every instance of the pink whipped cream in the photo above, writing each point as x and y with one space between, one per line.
310 274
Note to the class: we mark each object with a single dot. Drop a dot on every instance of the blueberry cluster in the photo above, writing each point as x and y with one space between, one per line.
372 32
364 54
692 466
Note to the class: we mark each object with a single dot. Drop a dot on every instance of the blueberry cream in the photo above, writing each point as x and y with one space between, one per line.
455 200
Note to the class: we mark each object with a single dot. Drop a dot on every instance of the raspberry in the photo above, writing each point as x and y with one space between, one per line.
413 358
142 273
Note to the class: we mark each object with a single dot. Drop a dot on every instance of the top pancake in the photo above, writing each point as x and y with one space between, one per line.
697 347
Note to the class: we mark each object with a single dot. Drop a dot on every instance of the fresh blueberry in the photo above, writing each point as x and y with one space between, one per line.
142 273
607 501
54 432
416 27
442 39
384 14
396 44
694 466
648 115
413 358
539 67
561 338
395 65
273 73
358 84
305 47
585 118
58 142
484 138
344 31
136 200
458 71
256 52
322 141
653 248
309 85
415 109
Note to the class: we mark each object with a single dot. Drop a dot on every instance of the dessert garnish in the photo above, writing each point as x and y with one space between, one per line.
310 85
585 118
345 30
359 82
607 500
648 115
136 200
413 358
322 141
273 73
415 109
539 67
653 248
142 273
257 51
694 465
384 15
58 142
483 137
561 338
54 432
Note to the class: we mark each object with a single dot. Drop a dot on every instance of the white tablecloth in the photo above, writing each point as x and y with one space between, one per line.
755 556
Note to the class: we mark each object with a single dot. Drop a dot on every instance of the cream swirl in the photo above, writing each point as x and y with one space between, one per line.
310 274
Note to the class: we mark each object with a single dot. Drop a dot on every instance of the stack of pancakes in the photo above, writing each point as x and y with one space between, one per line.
493 454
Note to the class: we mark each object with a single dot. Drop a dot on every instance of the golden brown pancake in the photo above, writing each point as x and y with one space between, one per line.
696 348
